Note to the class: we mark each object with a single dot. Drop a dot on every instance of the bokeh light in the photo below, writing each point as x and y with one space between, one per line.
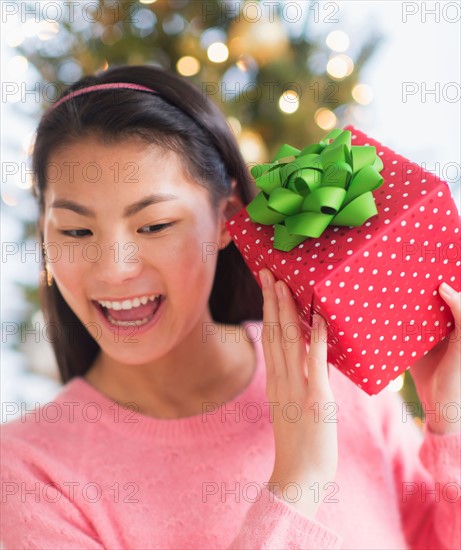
48 30
338 41
15 37
362 93
252 147
289 102
235 125
17 66
325 119
8 199
188 66
217 52
397 384
340 66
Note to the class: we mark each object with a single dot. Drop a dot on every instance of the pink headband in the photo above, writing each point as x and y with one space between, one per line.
97 87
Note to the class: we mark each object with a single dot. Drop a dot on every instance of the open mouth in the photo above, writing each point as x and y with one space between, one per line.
135 316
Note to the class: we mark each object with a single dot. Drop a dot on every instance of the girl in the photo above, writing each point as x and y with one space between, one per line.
186 421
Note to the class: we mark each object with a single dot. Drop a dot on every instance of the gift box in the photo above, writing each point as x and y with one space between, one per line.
376 284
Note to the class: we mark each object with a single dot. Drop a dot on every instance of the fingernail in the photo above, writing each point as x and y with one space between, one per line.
280 290
263 278
447 289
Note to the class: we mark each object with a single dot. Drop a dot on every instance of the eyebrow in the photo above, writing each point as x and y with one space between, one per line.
129 210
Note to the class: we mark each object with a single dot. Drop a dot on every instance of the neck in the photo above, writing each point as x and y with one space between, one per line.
206 366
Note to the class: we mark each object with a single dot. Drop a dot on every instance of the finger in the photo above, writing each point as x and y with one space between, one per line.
271 325
293 342
317 356
453 299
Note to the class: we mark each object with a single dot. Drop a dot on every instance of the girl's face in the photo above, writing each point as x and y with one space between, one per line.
124 223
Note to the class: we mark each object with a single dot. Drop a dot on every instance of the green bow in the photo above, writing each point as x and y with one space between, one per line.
323 184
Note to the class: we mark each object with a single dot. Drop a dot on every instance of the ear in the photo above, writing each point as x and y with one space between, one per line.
230 207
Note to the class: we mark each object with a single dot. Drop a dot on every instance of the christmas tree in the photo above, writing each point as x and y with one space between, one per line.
275 79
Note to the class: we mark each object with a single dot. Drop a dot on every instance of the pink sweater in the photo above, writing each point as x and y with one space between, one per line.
84 473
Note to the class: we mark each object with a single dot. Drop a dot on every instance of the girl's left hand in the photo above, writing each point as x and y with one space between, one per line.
437 374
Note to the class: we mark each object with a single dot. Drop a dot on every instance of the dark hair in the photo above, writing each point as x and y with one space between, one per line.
180 118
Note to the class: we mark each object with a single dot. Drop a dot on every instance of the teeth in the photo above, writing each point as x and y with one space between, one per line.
128 304
136 323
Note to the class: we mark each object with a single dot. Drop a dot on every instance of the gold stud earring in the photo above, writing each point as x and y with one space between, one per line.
49 276
46 276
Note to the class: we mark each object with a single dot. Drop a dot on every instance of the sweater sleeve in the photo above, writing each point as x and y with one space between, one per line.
273 523
427 473
37 513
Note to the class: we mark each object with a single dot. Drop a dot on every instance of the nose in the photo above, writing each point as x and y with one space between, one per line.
119 261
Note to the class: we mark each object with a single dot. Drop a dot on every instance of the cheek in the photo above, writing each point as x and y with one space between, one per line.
68 268
189 266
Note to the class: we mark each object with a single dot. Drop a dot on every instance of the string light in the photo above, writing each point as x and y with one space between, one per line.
188 65
217 52
362 93
338 41
289 102
340 66
325 119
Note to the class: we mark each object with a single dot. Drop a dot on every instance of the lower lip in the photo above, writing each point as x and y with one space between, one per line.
134 330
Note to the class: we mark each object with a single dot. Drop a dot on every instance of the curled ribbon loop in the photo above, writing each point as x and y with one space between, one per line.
305 191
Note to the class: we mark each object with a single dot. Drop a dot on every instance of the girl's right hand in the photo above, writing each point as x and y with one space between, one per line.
306 453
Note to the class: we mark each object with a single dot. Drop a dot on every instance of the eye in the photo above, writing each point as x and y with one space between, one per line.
77 233
155 228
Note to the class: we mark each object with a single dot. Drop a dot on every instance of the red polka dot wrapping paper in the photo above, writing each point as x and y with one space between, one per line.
376 285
